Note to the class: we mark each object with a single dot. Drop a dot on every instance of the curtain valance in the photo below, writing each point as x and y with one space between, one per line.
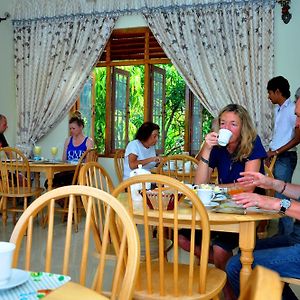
33 9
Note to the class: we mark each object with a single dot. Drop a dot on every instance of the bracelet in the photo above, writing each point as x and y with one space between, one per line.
204 160
283 189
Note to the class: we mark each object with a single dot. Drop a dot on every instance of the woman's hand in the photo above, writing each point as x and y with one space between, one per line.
253 179
252 199
211 140
156 159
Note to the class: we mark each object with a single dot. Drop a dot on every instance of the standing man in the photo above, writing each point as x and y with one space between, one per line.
285 138
3 127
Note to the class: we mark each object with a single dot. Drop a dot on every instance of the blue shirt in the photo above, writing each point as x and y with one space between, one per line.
75 152
228 169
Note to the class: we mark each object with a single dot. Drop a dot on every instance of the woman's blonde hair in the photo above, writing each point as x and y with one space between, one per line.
76 117
248 132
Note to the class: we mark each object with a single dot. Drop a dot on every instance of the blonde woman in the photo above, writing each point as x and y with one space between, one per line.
244 152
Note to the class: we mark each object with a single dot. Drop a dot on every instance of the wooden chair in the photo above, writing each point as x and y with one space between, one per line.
123 234
15 182
179 166
161 279
87 156
93 174
119 163
262 284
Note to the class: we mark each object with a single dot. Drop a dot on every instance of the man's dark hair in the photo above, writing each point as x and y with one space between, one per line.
281 84
145 131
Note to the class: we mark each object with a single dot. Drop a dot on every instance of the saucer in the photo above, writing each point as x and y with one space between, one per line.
17 277
212 204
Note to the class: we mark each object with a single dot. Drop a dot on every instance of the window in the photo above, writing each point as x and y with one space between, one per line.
134 82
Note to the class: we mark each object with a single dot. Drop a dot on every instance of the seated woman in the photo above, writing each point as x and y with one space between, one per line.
74 147
141 150
243 152
77 143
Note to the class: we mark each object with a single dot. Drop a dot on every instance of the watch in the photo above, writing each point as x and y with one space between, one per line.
284 205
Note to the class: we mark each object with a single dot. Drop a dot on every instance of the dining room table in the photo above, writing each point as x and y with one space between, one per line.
49 168
244 223
27 285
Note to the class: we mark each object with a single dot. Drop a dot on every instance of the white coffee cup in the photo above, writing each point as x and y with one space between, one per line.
6 255
224 136
205 195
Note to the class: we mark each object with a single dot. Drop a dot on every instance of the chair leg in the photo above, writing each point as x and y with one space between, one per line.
4 210
14 206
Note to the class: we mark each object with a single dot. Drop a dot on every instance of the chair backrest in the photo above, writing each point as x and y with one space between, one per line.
269 173
88 155
272 163
179 166
57 242
93 174
152 271
119 163
14 170
262 284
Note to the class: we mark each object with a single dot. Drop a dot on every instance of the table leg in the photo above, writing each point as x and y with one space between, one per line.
37 179
247 244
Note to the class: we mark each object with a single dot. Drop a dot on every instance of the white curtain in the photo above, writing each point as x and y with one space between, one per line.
53 58
224 52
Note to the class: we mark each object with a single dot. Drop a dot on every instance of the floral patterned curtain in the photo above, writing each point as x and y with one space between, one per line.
53 58
224 52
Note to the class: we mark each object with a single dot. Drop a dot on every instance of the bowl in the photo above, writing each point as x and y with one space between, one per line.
167 199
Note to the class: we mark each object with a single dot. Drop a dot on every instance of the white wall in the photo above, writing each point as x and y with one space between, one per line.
287 63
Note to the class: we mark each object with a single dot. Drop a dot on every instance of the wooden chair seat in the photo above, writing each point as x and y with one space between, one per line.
213 275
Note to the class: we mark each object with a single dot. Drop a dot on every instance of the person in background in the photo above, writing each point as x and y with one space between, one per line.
142 149
74 147
286 136
3 127
297 96
243 152
280 253
77 143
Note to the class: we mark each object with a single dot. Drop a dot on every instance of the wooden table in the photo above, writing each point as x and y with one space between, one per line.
49 169
74 291
245 225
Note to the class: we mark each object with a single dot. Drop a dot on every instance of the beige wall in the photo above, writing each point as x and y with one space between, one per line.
287 63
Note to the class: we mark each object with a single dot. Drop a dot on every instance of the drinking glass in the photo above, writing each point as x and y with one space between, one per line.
37 152
54 151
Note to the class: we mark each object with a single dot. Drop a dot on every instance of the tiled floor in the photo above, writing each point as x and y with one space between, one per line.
39 251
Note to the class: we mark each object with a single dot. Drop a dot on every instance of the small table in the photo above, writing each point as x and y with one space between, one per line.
35 287
49 168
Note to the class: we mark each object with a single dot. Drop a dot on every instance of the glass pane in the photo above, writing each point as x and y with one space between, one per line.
196 126
158 103
86 106
100 108
120 112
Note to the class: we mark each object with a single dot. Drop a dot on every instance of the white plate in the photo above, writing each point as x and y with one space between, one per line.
17 277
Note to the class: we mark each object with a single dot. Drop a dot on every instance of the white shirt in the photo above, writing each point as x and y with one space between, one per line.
284 125
137 148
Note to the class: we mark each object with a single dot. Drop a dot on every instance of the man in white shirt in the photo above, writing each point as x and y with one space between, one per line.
285 138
